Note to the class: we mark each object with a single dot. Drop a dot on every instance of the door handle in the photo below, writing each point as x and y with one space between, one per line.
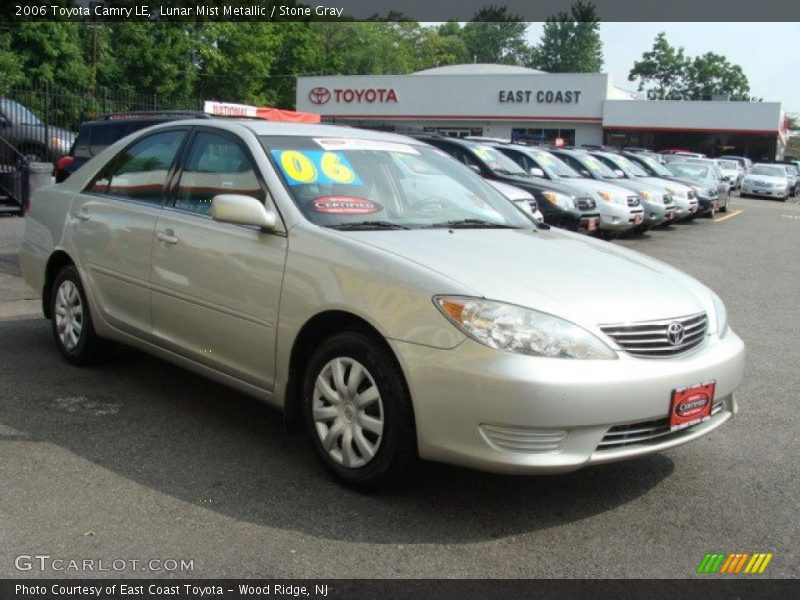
167 236
81 215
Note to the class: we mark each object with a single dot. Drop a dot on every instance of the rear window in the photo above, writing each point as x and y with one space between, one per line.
95 137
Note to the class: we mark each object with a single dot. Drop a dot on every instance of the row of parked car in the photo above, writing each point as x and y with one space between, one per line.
596 190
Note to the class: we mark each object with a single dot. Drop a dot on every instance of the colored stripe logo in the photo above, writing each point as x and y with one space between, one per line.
734 563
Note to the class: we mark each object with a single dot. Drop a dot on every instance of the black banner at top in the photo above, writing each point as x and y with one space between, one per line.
394 10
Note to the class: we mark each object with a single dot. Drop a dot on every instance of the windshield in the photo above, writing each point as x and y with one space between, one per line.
554 166
16 113
728 165
597 168
497 161
348 183
689 170
656 167
629 167
768 171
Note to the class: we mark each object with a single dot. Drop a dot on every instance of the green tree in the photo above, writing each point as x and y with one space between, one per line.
662 71
236 61
712 74
49 52
495 36
570 42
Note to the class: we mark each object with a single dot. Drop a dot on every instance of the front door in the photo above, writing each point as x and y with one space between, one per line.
111 226
216 286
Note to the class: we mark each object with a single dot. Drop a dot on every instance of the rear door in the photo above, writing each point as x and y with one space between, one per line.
111 225
216 286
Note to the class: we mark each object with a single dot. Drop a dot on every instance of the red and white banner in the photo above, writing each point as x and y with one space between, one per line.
229 109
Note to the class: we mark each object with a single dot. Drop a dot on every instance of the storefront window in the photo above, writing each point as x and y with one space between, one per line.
543 136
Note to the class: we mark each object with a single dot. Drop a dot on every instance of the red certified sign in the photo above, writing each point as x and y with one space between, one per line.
691 405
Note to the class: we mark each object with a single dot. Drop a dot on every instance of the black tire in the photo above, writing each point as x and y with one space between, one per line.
90 349
396 454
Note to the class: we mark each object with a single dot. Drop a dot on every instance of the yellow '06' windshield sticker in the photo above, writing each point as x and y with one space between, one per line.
301 167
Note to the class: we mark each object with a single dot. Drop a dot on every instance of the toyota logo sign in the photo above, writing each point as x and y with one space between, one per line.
675 333
319 95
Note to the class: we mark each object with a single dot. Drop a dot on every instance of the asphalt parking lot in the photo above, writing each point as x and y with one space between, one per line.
141 460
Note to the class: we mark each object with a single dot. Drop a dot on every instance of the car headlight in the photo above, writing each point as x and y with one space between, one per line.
560 200
521 330
645 195
721 314
672 192
607 196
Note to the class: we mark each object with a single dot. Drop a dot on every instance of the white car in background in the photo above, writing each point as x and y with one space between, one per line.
732 171
767 180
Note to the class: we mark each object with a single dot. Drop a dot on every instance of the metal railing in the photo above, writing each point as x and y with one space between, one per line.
39 122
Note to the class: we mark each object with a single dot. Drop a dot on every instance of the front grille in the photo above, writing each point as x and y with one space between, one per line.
586 204
645 431
524 440
651 339
633 201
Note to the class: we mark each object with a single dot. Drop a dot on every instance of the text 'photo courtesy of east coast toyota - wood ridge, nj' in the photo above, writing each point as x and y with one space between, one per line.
355 300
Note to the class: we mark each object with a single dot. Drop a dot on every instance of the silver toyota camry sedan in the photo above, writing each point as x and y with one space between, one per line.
383 295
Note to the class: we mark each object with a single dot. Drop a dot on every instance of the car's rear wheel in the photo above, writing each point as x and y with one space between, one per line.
358 411
71 322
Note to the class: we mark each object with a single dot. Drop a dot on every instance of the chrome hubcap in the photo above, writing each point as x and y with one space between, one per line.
348 412
69 314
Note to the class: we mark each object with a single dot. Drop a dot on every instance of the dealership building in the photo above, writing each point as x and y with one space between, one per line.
572 109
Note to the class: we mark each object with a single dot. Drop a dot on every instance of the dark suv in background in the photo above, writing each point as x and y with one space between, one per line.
97 135
558 203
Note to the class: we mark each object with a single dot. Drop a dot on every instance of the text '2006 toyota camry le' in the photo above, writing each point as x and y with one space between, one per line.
381 293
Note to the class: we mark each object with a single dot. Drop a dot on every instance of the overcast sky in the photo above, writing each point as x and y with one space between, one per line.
769 53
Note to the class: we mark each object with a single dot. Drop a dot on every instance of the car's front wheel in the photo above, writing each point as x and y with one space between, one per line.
71 322
358 411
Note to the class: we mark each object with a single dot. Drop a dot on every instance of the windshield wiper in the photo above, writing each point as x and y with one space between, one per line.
357 225
472 224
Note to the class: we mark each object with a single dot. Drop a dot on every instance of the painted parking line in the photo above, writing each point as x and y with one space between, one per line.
735 213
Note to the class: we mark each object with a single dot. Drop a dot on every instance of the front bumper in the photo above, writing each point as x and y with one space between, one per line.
616 217
765 192
508 413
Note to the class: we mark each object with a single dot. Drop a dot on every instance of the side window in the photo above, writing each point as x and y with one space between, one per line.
216 165
140 172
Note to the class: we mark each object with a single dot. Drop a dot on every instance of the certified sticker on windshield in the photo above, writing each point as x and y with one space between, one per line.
345 205
359 144
316 166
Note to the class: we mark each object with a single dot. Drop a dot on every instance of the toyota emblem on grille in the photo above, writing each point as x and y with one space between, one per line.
319 95
675 333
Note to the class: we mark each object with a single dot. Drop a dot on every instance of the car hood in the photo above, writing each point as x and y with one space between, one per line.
593 186
767 178
534 184
585 280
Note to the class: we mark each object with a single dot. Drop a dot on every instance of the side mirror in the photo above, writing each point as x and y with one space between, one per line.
475 168
619 173
585 173
536 172
242 210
